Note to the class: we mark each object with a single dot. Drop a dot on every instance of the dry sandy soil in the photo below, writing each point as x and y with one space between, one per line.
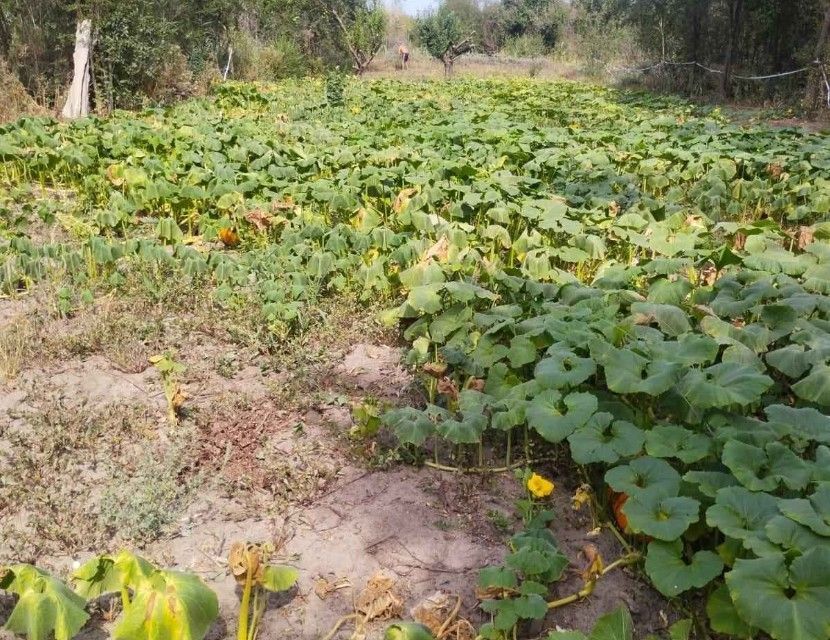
89 462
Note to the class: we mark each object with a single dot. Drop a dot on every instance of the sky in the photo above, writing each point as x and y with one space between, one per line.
412 7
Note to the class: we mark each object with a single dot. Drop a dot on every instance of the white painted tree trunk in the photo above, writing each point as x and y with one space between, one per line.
77 102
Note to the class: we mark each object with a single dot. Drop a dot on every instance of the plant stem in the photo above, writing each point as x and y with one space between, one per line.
627 559
252 628
509 445
583 593
125 598
629 549
244 607
510 467
588 589
339 624
260 600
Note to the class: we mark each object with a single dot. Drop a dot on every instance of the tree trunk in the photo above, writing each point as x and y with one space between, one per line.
816 80
228 65
735 11
699 10
77 102
448 67
824 34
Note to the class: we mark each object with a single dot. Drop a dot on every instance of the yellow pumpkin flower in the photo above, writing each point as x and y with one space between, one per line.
539 486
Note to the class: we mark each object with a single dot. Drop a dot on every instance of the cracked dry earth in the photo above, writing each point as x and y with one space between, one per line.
267 472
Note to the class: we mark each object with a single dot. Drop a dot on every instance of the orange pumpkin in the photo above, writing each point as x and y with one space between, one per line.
618 500
229 236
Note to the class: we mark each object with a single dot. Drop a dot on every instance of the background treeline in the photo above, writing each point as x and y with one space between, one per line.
154 51
157 50
731 37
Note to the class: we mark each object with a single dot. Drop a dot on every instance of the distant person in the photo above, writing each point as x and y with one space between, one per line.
403 52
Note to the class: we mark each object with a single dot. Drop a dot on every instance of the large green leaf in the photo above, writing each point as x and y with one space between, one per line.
805 423
671 441
740 513
788 601
616 625
791 536
604 439
421 274
466 430
644 474
497 577
409 424
168 605
723 617
45 607
522 351
661 517
278 578
791 360
672 574
629 372
555 418
563 368
508 612
671 320
722 385
816 386
813 512
765 469
109 574
710 482
426 298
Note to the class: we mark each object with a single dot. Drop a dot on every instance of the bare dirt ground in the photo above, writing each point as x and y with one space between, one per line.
90 463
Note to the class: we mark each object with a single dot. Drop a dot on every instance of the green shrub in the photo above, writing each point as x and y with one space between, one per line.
139 506
268 62
525 46
281 59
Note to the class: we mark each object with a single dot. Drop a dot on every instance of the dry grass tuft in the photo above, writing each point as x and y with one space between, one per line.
15 345
14 101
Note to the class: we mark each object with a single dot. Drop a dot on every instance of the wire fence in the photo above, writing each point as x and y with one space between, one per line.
770 76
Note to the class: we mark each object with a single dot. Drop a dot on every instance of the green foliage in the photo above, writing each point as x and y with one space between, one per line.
335 83
249 565
45 607
616 625
141 504
621 277
672 575
268 61
534 563
365 33
157 604
785 598
438 31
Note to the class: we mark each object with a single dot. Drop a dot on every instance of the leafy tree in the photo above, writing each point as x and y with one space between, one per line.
543 18
440 33
363 28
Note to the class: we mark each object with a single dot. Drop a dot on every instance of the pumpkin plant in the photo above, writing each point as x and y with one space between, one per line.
45 606
155 604
170 371
248 564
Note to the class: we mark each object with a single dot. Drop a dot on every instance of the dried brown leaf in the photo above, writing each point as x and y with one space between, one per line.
379 600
